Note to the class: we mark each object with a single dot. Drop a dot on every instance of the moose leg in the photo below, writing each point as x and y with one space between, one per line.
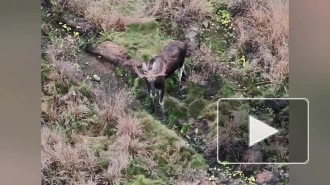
180 73
183 76
152 104
161 103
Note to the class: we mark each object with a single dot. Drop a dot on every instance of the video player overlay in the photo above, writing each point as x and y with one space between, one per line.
252 131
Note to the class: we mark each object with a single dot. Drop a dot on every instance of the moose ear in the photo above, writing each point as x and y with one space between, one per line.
144 67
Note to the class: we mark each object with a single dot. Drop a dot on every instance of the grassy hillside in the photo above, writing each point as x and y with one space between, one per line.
95 128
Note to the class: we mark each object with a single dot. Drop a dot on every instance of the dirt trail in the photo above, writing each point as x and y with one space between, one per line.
109 82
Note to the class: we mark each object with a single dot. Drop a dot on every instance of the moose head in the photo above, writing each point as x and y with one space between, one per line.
151 73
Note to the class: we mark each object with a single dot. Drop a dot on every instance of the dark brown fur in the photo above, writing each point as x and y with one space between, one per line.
172 57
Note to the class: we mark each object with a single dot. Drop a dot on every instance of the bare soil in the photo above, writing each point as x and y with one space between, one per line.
109 82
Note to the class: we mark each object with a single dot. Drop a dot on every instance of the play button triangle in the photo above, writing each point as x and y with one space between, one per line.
258 131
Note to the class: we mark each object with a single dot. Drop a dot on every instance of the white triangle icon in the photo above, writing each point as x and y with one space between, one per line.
258 131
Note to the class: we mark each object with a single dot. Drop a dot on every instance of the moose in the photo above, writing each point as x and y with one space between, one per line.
161 67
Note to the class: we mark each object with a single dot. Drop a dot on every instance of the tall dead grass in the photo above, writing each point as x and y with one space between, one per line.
67 162
228 137
206 65
61 162
128 145
61 55
117 14
60 105
263 35
193 177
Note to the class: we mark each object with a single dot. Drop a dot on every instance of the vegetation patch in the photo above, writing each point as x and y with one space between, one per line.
142 41
263 52
90 136
118 14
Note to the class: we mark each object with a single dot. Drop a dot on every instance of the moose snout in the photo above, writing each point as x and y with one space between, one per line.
153 94
152 89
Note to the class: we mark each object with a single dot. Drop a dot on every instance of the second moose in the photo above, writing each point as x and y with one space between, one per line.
161 67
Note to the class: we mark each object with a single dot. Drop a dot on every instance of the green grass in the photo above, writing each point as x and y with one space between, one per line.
143 41
142 180
167 147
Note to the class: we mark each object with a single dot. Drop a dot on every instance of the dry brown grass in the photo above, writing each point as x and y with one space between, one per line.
125 143
232 130
193 177
70 160
280 146
127 146
149 165
64 110
263 34
206 65
62 162
230 134
129 125
114 108
117 14
90 181
62 70
63 49
78 157
119 161
188 183
60 106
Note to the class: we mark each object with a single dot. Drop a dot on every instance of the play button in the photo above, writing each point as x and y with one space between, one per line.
259 131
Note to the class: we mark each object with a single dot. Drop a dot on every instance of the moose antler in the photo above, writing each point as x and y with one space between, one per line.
137 71
162 73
